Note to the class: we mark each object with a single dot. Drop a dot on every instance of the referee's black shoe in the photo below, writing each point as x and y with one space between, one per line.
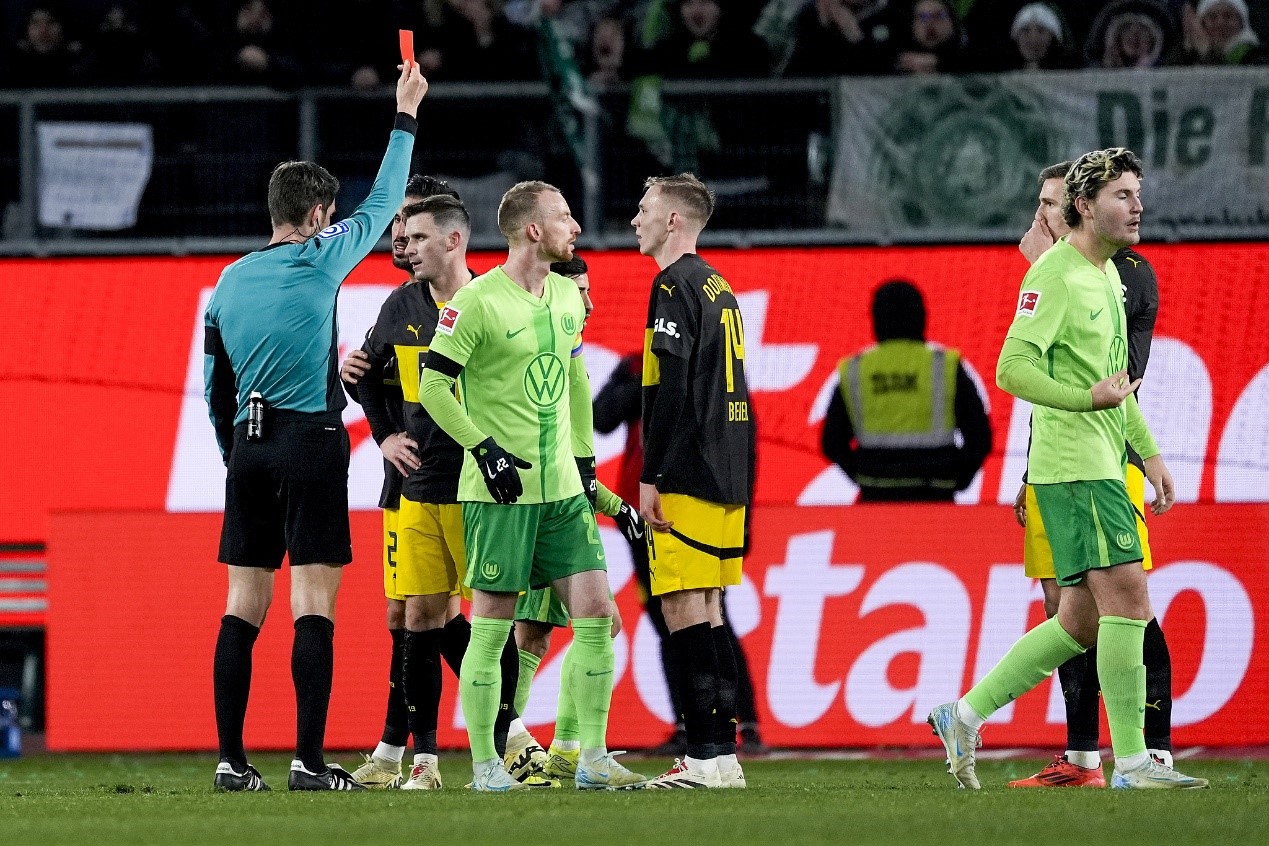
334 777
232 781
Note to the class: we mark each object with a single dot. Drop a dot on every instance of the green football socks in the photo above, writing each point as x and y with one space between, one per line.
586 682
480 683
1122 675
528 666
566 728
1030 661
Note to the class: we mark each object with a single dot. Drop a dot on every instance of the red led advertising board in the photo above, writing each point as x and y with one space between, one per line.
108 457
856 621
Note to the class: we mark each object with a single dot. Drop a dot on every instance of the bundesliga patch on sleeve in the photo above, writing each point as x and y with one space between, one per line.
449 317
1027 302
334 230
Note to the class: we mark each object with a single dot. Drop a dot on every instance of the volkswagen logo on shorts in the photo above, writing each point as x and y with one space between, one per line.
544 380
1124 539
489 570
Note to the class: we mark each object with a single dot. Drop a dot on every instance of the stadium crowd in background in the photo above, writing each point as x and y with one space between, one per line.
286 44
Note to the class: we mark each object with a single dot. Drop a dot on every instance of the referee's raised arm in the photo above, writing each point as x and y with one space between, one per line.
337 256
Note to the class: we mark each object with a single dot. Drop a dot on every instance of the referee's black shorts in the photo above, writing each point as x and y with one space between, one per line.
288 494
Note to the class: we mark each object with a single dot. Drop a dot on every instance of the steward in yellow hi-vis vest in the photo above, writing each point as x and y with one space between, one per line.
907 422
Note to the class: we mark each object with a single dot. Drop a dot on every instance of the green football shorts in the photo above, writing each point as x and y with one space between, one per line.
1091 525
513 548
542 606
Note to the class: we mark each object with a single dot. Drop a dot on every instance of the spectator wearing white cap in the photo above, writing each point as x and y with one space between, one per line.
1218 32
1040 39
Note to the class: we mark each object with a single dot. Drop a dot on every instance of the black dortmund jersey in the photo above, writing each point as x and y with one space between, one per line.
390 493
1141 307
404 330
698 434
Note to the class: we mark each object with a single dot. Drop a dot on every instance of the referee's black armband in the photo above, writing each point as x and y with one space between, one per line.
441 364
406 123
212 344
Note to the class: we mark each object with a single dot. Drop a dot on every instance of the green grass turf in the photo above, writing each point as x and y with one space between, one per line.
140 799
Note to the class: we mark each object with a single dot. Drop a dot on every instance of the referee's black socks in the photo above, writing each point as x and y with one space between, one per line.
231 682
422 675
312 665
698 686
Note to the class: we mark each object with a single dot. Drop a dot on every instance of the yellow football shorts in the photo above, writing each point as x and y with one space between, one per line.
1037 556
390 516
701 550
430 554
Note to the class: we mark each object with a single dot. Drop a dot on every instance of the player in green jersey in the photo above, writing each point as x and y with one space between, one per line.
540 612
1080 764
1067 354
511 340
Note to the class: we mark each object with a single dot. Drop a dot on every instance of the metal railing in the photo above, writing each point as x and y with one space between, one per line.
760 143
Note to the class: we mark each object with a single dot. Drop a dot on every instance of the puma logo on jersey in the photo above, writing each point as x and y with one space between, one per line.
414 330
669 289
1134 261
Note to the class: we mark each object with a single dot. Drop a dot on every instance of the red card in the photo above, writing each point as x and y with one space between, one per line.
407 46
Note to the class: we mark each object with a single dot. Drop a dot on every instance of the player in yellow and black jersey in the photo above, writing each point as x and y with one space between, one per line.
698 468
382 768
693 317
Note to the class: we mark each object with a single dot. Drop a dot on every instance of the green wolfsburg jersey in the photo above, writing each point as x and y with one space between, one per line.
1074 312
515 350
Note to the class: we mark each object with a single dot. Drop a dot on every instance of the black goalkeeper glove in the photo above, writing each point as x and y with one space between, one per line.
498 469
590 485
629 522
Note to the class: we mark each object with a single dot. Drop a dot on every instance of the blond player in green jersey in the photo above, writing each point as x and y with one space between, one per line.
1067 354
511 340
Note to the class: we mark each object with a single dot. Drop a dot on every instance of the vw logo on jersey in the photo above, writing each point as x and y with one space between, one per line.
1117 358
544 380
569 323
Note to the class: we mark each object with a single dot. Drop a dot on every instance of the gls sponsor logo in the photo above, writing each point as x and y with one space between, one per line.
668 327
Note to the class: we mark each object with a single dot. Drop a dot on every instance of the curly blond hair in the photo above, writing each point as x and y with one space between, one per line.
1090 173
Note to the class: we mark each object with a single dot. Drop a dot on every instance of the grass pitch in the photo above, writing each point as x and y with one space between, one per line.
167 799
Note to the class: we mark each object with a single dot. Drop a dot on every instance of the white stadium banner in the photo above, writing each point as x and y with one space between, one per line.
92 175
956 158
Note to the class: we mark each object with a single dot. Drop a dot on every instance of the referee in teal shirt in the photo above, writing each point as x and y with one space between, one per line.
272 388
